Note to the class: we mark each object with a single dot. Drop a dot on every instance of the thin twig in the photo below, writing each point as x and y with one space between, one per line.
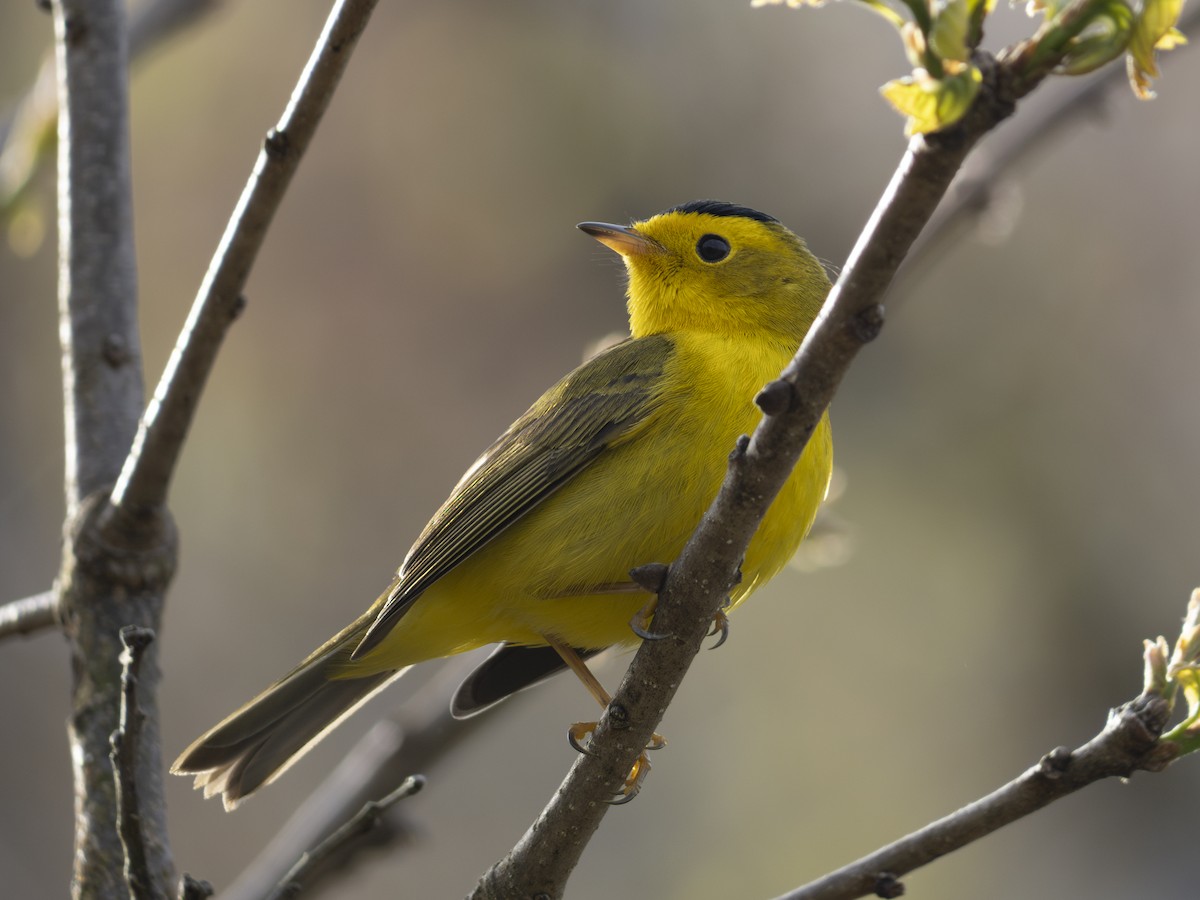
1128 743
147 472
29 614
363 821
123 755
414 739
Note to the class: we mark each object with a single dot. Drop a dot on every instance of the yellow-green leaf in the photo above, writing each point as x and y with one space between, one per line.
794 4
932 104
1103 40
948 36
1154 30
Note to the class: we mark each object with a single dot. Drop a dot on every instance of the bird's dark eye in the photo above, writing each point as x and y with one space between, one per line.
712 248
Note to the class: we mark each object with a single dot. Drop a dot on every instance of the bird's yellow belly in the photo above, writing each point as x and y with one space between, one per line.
563 569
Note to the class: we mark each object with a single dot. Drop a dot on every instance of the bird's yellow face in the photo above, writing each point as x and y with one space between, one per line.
715 267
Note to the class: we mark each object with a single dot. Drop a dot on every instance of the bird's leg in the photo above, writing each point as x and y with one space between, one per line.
581 730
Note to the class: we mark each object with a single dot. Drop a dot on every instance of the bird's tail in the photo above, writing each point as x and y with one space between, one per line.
254 745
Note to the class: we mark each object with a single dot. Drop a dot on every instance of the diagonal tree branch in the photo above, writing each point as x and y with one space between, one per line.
362 823
698 581
547 853
1128 743
146 475
414 739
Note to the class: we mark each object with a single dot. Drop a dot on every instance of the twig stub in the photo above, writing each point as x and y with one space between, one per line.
775 398
866 324
124 758
651 576
888 886
191 888
277 144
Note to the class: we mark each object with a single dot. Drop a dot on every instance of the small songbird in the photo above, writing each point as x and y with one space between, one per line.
609 470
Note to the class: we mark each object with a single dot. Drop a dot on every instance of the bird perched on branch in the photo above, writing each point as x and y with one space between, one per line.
609 470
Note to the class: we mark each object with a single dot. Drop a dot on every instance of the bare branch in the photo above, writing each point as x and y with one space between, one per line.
29 614
146 475
696 585
548 852
117 577
123 756
415 739
1128 743
363 822
102 372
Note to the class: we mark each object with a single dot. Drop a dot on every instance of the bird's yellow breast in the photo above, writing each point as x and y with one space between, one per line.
563 569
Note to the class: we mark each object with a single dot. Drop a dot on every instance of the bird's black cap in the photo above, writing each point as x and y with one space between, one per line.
721 208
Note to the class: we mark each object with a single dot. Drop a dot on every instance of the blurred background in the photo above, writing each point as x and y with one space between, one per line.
1019 448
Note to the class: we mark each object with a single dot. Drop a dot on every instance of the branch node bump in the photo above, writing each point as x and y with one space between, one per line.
652 576
191 888
618 717
1055 763
115 351
738 453
239 307
277 145
775 398
75 29
888 886
867 323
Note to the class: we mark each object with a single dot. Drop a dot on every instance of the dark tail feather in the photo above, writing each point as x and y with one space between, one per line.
257 743
510 668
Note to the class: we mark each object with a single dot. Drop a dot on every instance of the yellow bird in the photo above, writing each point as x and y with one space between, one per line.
609 470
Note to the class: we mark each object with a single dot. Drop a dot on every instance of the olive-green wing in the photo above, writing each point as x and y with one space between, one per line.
591 409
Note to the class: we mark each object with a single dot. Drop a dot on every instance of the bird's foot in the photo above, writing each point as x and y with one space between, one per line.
580 734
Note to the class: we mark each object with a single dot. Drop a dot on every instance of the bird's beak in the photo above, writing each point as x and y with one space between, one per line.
621 238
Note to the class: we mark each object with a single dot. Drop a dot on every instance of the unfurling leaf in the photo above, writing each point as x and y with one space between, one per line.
1103 40
949 34
1154 30
932 104
1184 672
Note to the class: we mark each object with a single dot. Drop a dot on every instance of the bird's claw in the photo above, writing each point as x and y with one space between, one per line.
633 783
581 732
640 623
578 733
720 625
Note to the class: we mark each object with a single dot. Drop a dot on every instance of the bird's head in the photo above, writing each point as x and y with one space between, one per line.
715 267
